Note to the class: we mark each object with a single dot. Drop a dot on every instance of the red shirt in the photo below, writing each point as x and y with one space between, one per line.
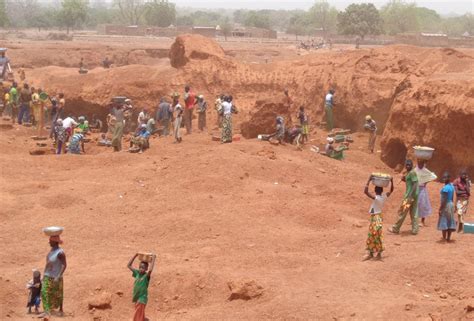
190 101
461 187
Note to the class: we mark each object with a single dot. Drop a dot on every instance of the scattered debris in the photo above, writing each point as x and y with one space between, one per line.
100 301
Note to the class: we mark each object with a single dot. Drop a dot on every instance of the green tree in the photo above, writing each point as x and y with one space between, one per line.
184 21
258 19
399 17
131 11
323 16
360 19
73 13
3 14
226 27
299 24
160 13
428 20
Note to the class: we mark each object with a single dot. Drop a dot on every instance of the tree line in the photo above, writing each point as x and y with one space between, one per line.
396 16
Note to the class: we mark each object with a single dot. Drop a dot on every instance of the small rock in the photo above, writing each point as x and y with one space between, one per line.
259 191
244 290
119 293
357 225
98 288
397 243
353 314
176 297
409 307
443 295
100 301
470 308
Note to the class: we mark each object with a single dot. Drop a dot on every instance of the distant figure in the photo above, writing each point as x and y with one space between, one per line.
189 102
118 112
357 42
329 105
106 63
202 109
227 109
303 118
82 69
178 118
25 101
371 126
217 106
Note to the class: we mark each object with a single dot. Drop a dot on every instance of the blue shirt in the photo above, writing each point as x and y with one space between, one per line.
144 134
449 190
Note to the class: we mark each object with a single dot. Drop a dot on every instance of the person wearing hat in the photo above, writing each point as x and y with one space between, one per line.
83 125
52 287
140 140
329 105
371 126
331 151
202 107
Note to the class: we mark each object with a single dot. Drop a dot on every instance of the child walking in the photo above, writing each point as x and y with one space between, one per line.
140 287
34 287
375 236
303 117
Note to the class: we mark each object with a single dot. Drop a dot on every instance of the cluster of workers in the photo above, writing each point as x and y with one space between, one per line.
416 203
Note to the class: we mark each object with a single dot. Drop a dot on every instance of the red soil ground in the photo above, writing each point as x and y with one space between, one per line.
294 222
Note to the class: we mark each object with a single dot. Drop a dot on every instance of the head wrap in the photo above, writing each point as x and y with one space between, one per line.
55 238
368 117
330 140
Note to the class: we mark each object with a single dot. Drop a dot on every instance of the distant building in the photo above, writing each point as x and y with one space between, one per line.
210 32
252 32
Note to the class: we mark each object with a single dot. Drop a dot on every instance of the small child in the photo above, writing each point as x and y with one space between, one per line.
140 287
34 287
375 236
103 141
303 117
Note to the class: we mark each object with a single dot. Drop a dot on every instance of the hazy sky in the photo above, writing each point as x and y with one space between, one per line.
442 6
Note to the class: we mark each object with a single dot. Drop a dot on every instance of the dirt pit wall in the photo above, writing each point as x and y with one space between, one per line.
390 83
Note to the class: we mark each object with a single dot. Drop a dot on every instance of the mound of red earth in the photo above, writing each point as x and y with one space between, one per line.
412 93
193 47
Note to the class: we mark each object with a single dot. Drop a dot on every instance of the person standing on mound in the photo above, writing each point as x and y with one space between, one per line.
410 201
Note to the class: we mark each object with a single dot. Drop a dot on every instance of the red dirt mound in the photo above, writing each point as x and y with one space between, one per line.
261 119
188 47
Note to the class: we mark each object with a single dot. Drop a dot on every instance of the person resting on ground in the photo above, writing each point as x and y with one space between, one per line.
333 152
103 141
294 136
141 139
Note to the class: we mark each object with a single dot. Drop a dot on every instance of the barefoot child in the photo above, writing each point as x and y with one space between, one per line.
34 287
140 287
446 220
375 236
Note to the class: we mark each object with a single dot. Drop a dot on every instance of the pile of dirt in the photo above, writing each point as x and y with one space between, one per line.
261 118
187 47
383 82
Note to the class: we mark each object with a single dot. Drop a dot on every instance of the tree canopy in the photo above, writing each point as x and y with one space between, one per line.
360 19
160 13
73 12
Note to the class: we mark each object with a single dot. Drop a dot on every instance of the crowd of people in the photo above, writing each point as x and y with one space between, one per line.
29 105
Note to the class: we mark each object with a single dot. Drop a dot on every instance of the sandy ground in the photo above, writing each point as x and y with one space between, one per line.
295 222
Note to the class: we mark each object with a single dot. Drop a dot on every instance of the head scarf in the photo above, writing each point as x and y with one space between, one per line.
55 238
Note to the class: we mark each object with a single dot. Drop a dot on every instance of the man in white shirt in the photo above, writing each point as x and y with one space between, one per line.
329 104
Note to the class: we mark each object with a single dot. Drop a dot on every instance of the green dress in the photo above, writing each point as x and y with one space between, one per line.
140 287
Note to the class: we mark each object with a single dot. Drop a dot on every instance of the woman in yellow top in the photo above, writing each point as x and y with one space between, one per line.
36 105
